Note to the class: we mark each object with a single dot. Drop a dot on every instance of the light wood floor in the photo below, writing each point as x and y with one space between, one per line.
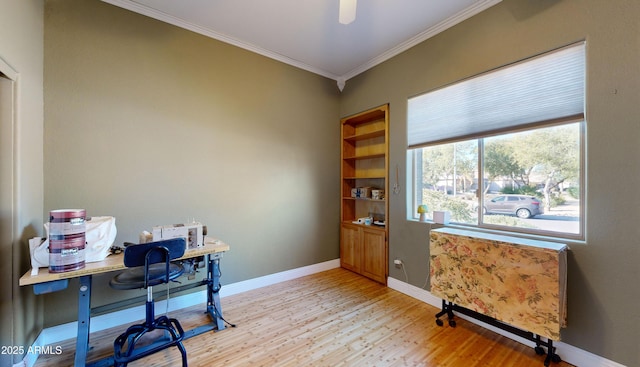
333 318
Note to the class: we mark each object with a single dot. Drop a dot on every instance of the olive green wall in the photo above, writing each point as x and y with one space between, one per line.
603 292
154 125
21 58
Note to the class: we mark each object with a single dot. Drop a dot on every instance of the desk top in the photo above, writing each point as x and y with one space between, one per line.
113 263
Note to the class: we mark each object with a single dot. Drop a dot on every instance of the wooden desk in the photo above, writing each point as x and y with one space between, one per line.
45 282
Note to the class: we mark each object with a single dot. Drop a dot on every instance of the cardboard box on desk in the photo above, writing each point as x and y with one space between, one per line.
191 232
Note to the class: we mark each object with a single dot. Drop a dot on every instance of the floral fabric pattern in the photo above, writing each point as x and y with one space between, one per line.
521 283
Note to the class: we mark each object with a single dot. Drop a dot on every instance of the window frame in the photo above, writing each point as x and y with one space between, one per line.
481 224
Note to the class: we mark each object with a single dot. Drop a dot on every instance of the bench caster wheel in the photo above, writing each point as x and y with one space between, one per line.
452 323
539 350
439 322
552 358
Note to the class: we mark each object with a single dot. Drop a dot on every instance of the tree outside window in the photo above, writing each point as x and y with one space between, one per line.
518 169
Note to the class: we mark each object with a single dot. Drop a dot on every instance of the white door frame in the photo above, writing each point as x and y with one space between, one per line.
8 189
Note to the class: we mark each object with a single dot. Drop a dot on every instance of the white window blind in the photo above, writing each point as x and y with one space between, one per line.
544 88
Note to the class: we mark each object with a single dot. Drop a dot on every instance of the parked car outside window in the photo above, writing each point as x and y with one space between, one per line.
522 206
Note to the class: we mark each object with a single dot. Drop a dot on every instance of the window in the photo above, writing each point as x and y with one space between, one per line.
505 150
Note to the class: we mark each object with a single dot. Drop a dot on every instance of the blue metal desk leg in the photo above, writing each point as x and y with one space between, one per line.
213 288
84 318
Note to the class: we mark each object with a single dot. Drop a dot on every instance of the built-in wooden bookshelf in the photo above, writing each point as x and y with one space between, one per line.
365 167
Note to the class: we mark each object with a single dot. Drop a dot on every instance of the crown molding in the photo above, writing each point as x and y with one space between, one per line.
421 37
164 17
467 13
7 70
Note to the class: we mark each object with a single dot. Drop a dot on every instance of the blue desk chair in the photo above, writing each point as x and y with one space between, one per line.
149 264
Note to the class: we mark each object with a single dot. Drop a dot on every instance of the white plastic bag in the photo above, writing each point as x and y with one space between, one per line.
100 233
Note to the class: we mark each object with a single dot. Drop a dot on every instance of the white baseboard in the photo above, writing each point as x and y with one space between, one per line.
568 353
247 285
56 334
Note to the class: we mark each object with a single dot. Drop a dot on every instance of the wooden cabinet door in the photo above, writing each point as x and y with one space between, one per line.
374 254
350 247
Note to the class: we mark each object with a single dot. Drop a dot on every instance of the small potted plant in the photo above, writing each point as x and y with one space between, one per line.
422 210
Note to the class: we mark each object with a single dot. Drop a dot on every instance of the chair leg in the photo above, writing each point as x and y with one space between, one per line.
135 332
176 327
177 333
183 352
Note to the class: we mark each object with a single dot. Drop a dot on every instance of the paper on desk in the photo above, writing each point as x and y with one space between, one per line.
37 257
211 240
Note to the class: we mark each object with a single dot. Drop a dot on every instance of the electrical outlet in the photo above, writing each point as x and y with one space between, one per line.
397 262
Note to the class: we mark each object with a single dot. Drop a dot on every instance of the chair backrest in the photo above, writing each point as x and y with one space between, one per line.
153 252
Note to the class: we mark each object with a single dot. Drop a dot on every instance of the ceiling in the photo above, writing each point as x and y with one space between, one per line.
307 34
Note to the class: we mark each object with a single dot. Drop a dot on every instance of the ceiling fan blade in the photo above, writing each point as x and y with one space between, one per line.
347 11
